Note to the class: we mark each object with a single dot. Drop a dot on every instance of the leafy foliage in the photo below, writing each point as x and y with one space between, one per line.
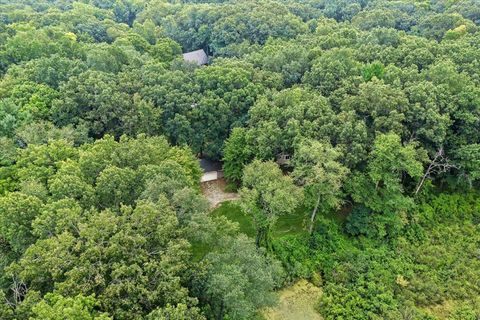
372 106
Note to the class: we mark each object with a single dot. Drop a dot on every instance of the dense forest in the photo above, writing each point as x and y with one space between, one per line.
373 105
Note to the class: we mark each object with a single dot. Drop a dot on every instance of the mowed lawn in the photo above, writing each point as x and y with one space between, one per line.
294 223
291 224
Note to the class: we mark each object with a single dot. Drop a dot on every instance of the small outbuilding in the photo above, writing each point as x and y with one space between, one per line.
283 159
198 56
212 170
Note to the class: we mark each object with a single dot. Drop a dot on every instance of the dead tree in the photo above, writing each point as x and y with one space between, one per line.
439 164
19 291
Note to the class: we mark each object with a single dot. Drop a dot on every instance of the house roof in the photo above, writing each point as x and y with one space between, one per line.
199 57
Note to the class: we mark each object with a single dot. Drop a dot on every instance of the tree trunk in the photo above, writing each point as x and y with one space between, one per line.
220 312
263 238
257 239
422 181
314 214
438 164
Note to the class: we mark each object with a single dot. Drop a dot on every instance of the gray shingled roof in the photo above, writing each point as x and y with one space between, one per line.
199 57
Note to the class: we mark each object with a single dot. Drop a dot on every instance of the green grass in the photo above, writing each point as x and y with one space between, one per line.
233 212
286 225
291 224
296 302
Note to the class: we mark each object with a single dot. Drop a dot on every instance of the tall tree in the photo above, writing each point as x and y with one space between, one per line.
267 194
316 167
57 307
240 279
236 154
381 188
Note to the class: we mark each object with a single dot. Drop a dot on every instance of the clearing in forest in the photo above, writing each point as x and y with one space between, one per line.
215 192
296 302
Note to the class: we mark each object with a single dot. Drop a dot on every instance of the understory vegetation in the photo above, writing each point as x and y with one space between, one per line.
350 130
434 262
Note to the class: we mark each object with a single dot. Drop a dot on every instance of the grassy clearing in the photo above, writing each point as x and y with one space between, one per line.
291 224
232 211
296 302
441 311
288 224
294 223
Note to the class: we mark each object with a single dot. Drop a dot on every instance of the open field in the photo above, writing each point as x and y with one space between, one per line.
296 302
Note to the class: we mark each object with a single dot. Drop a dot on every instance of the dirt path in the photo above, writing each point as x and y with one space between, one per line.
214 191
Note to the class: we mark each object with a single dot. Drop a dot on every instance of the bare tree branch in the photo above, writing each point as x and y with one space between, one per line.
439 164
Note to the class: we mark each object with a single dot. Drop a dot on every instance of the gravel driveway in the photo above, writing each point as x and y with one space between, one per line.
214 191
